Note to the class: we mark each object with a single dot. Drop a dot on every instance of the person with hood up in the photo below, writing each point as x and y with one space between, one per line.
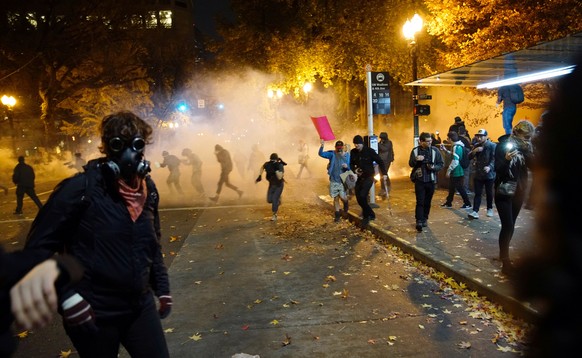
223 157
275 169
513 159
386 151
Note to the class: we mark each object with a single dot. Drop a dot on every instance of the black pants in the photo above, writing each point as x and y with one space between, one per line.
362 189
508 208
140 333
478 185
274 195
459 184
224 180
424 192
20 191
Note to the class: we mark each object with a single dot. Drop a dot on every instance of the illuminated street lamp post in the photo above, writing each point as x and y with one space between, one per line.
307 87
410 28
9 102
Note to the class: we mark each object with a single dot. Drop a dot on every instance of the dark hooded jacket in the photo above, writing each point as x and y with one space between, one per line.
86 217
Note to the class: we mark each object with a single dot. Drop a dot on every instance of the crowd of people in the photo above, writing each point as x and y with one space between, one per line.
108 211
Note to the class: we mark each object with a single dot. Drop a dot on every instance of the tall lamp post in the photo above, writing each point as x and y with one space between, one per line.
9 102
410 28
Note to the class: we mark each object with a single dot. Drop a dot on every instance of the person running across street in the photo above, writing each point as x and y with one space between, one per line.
223 157
339 161
23 176
275 169
362 163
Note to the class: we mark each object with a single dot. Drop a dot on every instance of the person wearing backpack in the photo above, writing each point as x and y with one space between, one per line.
107 218
275 169
456 172
425 161
511 96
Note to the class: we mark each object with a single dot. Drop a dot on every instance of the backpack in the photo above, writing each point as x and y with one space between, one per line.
464 160
274 171
516 94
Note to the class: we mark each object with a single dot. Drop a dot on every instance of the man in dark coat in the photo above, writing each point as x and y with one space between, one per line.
386 151
223 157
23 177
362 163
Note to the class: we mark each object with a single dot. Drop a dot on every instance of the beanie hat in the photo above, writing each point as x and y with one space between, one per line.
384 135
458 119
358 139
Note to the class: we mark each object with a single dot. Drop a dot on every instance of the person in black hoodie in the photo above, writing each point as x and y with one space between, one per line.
107 218
362 163
513 158
23 176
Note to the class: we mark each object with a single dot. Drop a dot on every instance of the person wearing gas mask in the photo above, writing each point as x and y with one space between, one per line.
107 218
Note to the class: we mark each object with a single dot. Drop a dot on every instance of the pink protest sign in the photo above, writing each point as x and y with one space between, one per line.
323 128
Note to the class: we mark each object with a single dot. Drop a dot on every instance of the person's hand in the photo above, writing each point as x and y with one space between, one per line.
419 158
78 313
322 142
34 298
487 169
344 165
259 178
511 154
165 306
478 149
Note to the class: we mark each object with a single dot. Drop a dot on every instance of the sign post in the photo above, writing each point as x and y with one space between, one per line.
370 124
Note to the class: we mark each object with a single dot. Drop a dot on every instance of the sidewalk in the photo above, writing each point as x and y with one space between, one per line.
466 250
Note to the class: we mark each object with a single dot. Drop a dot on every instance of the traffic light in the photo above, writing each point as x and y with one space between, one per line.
422 109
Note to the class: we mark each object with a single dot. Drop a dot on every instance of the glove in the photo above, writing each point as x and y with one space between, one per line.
259 178
78 313
165 306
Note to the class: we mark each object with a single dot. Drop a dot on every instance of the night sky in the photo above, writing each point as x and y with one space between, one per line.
205 11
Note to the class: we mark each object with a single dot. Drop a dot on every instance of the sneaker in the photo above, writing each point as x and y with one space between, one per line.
214 198
424 224
419 226
473 215
274 217
372 217
490 213
445 205
346 206
365 222
467 206
18 213
337 217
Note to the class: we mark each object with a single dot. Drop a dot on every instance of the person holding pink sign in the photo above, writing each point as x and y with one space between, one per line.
339 161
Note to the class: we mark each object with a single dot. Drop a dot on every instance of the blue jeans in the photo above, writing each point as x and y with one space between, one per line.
274 196
507 115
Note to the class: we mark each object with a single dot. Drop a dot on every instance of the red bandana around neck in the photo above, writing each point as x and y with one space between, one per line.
134 198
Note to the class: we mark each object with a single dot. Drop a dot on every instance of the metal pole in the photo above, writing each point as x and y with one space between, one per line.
415 91
370 126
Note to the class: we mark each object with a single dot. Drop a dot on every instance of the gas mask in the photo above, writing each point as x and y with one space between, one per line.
127 159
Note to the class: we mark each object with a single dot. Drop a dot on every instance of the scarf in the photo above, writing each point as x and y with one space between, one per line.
134 198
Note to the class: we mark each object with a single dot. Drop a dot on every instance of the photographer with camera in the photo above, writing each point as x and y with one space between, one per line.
484 154
513 157
425 161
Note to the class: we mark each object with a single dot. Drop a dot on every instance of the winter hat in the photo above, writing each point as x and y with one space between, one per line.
458 119
524 127
358 139
274 156
482 132
384 135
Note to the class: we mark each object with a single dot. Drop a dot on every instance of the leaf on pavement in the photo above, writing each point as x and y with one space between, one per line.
464 345
257 301
245 327
274 322
23 334
330 278
287 340
345 293
219 246
287 257
169 330
196 337
174 238
65 354
392 338
420 326
371 341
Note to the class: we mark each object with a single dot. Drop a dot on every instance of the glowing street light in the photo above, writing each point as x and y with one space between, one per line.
410 29
307 87
10 102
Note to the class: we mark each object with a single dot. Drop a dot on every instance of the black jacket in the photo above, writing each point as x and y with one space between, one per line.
122 259
364 160
23 175
517 168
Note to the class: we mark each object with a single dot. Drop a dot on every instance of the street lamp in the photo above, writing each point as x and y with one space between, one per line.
9 102
410 28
